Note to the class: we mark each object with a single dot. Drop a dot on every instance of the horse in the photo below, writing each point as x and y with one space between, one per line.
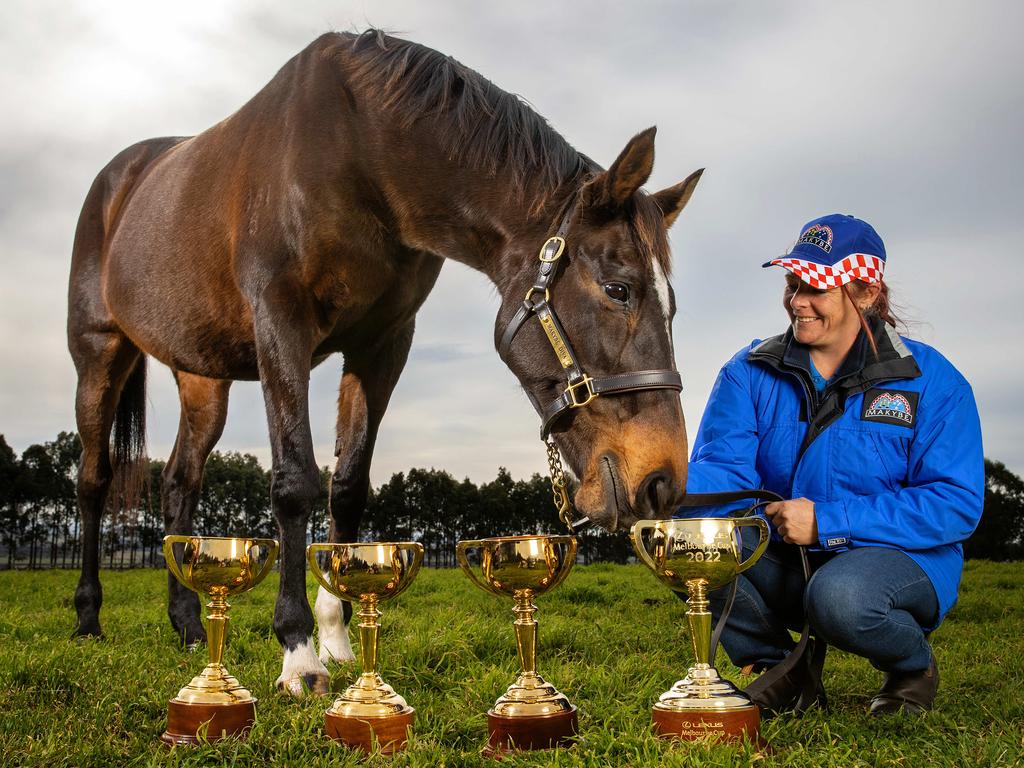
315 220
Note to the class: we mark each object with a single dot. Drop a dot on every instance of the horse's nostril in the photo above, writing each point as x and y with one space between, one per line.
655 495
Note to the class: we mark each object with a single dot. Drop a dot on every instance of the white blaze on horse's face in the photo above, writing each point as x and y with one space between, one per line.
661 289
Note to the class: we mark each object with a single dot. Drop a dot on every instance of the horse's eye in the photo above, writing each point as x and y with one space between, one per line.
617 292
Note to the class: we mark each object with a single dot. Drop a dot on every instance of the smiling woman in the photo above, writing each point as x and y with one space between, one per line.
874 441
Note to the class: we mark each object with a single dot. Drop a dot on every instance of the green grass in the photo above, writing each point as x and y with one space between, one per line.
611 639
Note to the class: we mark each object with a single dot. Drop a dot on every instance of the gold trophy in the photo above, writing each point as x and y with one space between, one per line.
531 714
695 556
214 702
368 573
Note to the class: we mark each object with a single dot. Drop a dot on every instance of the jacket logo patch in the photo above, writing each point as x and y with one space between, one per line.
819 235
835 542
890 406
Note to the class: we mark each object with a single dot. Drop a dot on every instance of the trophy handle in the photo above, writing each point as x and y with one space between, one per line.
273 547
636 534
172 563
570 557
460 554
414 566
762 545
314 566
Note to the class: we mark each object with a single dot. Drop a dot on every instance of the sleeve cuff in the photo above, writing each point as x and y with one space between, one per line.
723 510
833 525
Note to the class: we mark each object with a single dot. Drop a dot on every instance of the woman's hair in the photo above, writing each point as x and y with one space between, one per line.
881 308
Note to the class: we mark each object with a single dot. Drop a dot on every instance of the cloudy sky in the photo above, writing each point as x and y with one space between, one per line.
907 114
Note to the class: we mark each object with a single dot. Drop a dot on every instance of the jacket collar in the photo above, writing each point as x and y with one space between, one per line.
859 371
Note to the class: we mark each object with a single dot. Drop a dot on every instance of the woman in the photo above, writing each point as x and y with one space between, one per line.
875 442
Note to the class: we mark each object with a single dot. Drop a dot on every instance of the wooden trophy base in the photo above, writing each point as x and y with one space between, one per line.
526 733
725 725
390 732
185 721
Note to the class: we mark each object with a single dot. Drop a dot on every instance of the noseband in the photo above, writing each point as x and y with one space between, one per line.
581 389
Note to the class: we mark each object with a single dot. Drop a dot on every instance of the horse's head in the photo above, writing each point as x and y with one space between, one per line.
609 292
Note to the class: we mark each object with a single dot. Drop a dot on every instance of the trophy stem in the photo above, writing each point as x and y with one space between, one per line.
368 631
699 618
526 630
217 627
532 713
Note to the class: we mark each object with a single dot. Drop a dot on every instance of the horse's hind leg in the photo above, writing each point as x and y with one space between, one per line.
366 386
204 409
105 360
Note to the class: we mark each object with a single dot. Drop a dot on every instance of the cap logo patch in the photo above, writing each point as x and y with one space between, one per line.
819 235
890 407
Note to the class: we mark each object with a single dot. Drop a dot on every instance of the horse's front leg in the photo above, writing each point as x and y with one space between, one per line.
366 385
284 347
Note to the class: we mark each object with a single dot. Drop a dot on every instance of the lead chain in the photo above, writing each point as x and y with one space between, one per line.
559 486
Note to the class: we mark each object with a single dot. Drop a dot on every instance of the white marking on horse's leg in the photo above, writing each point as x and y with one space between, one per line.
302 670
661 289
331 629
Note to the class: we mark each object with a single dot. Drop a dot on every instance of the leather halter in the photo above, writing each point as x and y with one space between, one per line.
581 388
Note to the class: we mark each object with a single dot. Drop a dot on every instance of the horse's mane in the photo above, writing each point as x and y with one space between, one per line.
477 121
489 128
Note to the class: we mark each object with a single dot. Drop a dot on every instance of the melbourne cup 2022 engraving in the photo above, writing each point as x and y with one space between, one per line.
368 573
214 701
693 557
532 713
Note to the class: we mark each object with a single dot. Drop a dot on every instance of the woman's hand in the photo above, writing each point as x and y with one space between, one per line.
794 520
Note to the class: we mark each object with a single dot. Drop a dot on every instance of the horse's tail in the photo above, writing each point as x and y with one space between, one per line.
131 467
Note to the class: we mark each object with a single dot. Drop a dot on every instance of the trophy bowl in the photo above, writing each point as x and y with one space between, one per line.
217 567
367 573
694 556
532 713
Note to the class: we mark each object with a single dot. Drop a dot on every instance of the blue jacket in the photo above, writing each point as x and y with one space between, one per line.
890 453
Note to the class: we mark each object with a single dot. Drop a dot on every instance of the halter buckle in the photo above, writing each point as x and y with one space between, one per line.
533 290
590 394
552 249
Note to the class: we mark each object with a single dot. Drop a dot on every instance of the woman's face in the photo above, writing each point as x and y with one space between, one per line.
822 318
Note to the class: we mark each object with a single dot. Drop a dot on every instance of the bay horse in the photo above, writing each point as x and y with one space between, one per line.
315 220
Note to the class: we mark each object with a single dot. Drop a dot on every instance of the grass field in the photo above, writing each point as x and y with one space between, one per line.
611 639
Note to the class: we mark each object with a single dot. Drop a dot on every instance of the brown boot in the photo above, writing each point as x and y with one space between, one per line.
910 693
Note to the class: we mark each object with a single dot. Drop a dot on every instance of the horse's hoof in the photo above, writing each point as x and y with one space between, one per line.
87 632
318 684
192 638
310 684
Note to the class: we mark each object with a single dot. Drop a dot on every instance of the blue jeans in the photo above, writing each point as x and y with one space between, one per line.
870 601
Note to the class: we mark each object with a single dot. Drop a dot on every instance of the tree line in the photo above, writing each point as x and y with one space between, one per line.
39 522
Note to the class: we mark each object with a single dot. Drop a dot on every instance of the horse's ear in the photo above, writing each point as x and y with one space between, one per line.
674 199
628 173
